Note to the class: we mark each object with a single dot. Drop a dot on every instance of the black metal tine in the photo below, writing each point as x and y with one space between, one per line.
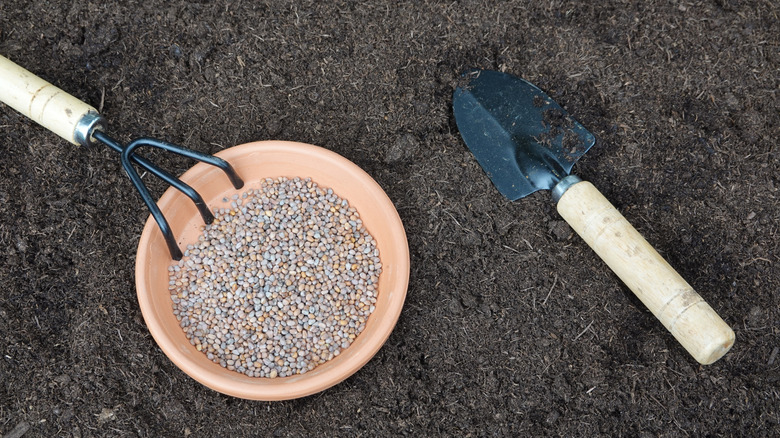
128 154
178 184
189 153
128 157
165 228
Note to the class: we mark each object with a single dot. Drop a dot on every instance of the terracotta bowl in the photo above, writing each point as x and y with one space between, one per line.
254 162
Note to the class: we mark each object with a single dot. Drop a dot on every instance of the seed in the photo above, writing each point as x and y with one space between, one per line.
280 282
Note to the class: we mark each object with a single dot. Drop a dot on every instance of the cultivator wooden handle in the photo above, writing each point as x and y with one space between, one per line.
81 124
49 106
668 296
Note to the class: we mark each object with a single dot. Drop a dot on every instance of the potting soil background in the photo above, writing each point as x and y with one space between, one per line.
512 326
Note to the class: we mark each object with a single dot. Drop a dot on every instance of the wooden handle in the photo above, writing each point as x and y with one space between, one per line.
671 299
41 101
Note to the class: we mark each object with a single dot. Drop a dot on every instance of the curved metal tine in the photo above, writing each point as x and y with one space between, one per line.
165 228
195 155
178 184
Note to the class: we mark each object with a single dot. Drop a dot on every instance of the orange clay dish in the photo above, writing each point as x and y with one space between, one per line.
254 162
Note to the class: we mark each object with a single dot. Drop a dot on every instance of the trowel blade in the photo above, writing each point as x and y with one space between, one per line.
522 139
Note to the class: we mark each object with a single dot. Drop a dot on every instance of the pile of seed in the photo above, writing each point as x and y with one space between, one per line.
282 281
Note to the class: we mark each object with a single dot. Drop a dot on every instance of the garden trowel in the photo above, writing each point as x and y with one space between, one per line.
526 142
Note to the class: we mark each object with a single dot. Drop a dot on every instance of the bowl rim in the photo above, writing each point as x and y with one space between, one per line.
280 388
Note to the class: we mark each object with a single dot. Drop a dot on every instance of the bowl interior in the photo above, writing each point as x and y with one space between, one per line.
255 162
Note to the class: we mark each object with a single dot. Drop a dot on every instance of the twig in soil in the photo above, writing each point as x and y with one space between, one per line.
456 221
555 281
18 431
511 249
750 262
773 356
583 332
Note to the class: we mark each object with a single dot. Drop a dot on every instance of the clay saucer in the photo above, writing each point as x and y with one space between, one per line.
255 162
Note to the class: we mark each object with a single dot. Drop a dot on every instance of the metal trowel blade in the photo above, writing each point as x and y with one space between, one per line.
522 139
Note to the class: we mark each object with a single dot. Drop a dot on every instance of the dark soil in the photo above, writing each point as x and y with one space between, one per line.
512 326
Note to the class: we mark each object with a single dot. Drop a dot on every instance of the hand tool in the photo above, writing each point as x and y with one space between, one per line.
526 142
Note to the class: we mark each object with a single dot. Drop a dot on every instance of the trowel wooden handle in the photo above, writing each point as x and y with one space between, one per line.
671 299
46 104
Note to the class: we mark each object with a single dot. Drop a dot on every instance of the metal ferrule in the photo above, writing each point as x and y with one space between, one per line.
86 126
564 185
